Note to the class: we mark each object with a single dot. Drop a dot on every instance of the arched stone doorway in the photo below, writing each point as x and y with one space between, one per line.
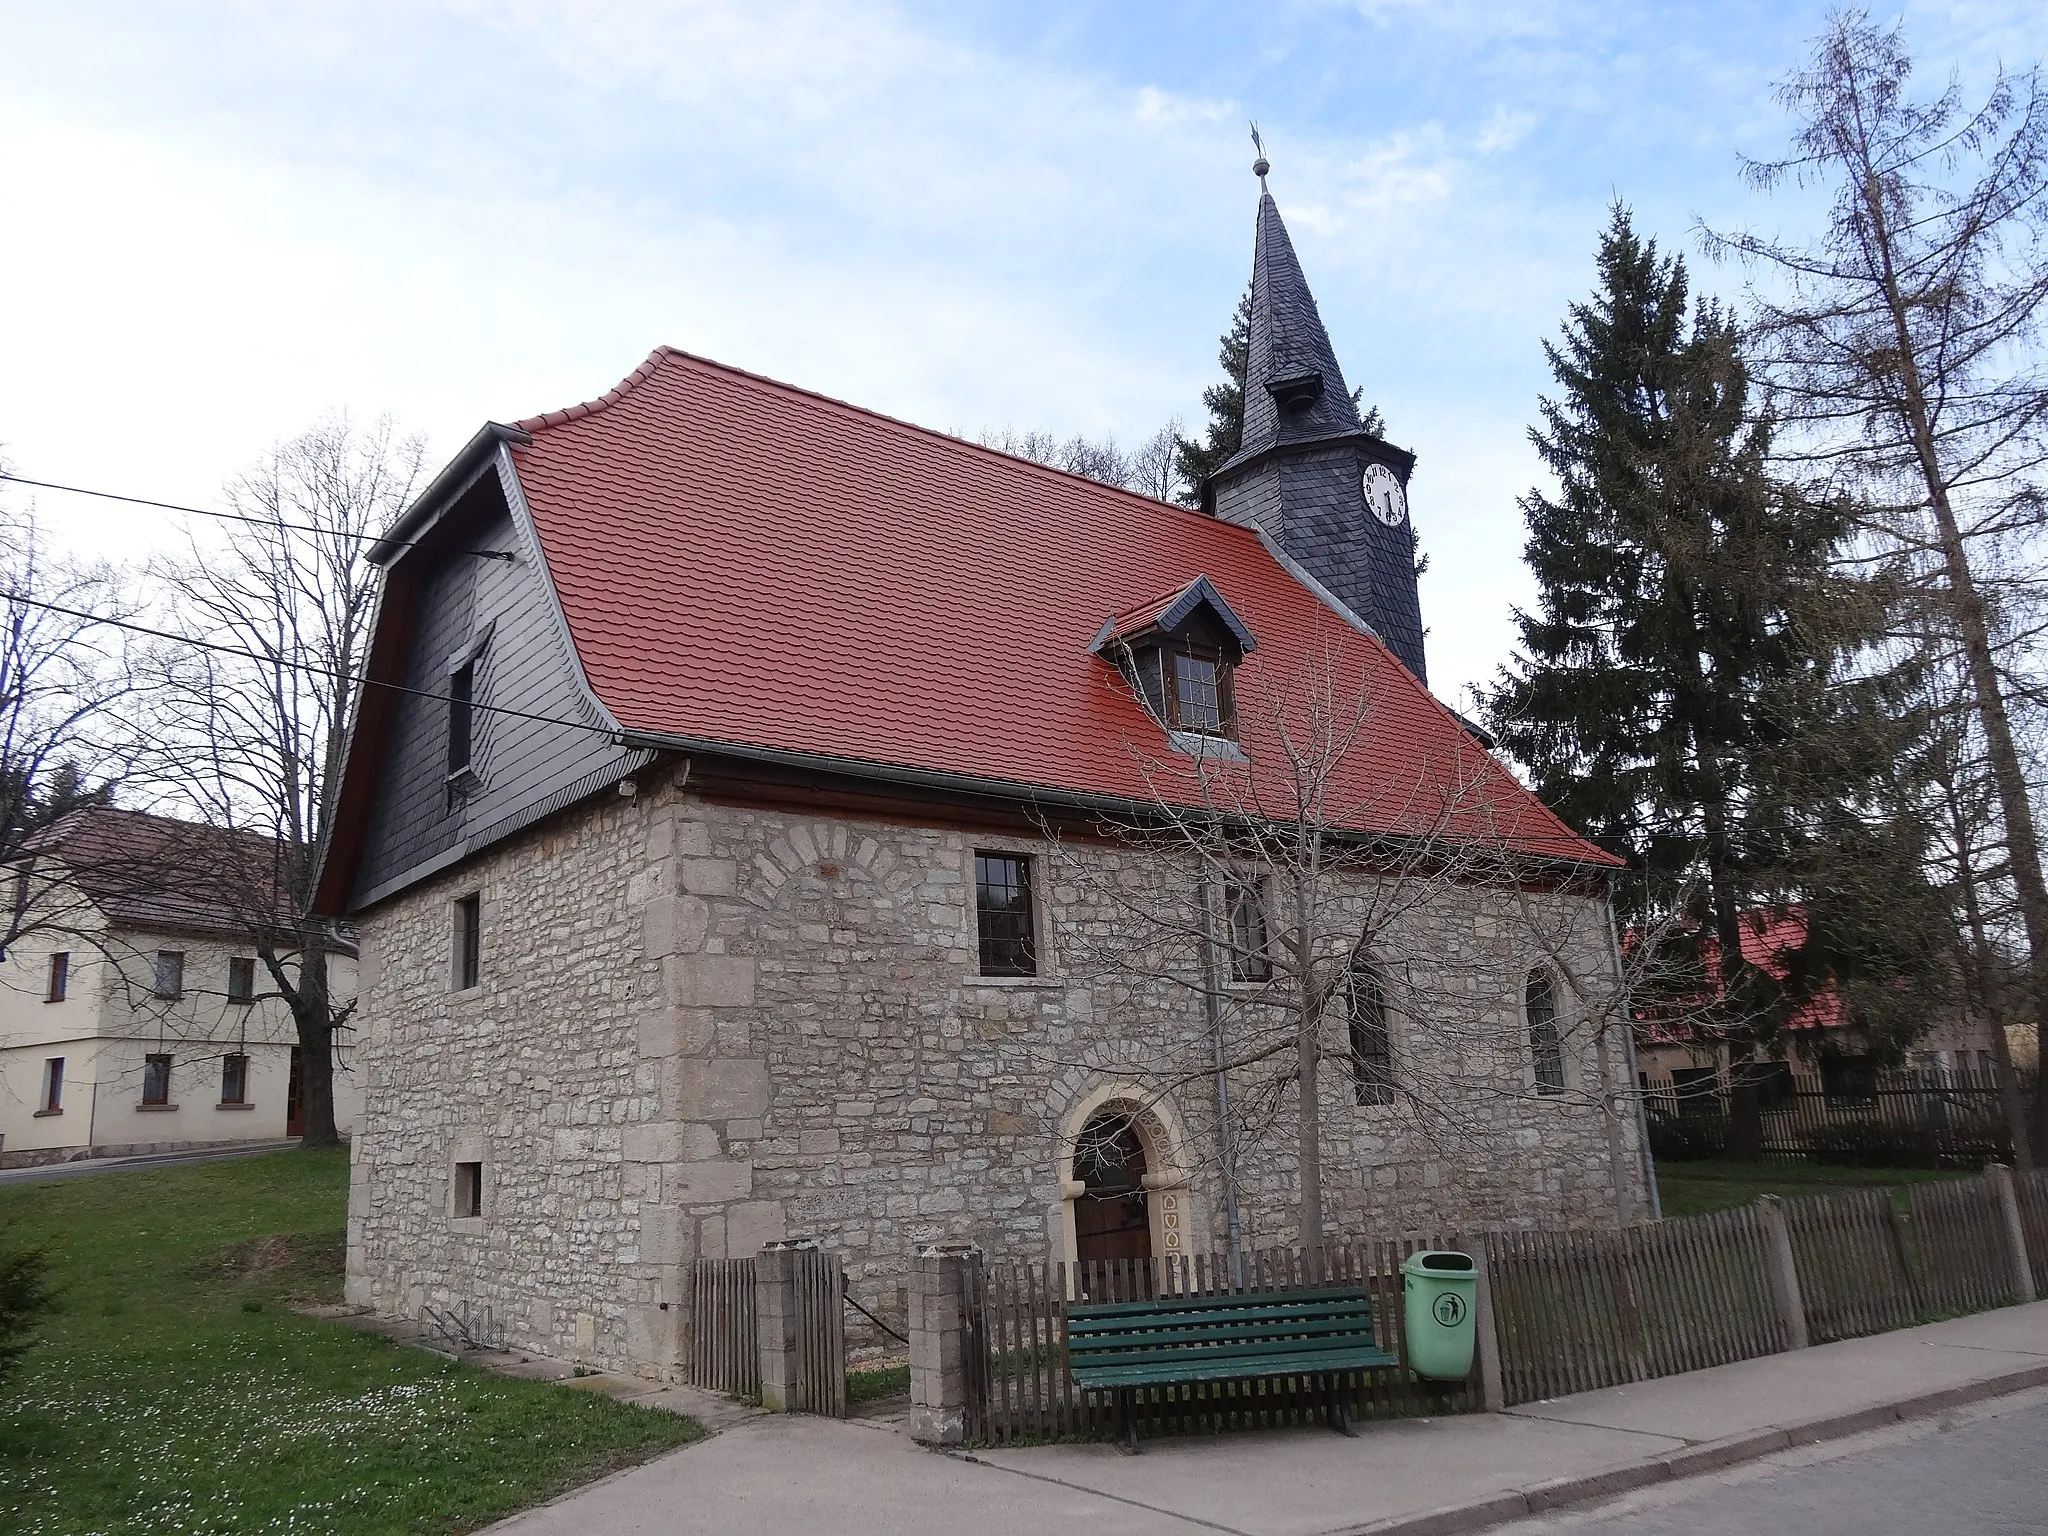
1112 1216
1123 1178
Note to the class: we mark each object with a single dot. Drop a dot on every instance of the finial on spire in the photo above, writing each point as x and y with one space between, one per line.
1259 166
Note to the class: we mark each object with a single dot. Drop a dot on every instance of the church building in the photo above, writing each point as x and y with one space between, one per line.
740 847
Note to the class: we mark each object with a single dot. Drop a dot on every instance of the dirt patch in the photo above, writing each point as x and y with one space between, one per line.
307 1264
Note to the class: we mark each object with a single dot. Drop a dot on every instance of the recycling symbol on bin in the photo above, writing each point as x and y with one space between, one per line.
1448 1309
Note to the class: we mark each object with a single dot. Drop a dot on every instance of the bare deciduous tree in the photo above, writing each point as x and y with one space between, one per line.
1904 343
1305 905
252 732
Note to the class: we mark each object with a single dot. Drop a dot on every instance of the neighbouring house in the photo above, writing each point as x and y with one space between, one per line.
726 843
1822 1043
135 1015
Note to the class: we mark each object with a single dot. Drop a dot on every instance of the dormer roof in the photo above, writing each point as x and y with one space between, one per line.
1167 615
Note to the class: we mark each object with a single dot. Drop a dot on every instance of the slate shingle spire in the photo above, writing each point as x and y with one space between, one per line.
1327 491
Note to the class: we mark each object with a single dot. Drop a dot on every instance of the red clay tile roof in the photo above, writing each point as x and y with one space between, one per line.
158 872
750 563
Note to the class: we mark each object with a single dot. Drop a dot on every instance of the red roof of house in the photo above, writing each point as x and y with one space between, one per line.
750 563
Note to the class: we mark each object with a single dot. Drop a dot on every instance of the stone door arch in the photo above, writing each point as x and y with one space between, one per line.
1155 1134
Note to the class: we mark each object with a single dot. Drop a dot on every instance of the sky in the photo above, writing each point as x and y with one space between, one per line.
224 220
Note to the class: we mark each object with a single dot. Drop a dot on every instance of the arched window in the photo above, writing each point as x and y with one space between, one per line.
1372 1045
1546 1048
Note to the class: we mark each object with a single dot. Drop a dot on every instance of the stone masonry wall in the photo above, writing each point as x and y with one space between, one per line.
702 1028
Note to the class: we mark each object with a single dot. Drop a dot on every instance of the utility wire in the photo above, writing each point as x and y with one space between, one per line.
238 517
359 679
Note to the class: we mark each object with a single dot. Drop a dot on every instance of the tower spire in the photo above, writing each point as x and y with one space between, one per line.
1331 494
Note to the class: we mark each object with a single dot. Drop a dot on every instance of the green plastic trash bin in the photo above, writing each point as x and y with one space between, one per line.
1439 1301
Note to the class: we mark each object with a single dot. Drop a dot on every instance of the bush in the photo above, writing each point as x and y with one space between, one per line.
25 1294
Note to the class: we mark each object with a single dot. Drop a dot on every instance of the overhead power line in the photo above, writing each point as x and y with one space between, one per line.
359 679
238 517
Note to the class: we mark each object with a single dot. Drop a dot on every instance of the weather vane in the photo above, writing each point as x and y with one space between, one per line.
1260 165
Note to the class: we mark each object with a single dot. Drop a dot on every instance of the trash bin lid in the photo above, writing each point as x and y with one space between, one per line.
1441 1263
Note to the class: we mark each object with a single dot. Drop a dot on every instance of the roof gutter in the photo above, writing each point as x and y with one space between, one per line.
460 471
1008 790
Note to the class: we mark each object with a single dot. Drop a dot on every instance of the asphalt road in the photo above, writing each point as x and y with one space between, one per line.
80 1169
1980 1474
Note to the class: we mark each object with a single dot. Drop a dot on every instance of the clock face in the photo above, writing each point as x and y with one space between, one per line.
1384 495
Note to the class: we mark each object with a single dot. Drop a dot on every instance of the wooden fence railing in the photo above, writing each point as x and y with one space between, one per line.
1019 1312
1573 1311
820 1289
1576 1311
1953 1119
725 1351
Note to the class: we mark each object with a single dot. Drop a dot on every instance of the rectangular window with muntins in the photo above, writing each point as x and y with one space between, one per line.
1198 701
242 979
1003 914
1546 1044
1250 959
234 1078
156 1080
167 977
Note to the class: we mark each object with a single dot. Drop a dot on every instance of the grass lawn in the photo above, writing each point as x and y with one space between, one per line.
175 1392
1691 1188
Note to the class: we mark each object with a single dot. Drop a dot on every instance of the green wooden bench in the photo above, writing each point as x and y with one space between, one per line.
1181 1340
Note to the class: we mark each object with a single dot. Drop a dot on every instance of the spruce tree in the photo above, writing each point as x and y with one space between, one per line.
1225 404
1689 689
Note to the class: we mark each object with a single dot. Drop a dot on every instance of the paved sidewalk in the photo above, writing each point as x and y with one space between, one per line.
135 1162
776 1474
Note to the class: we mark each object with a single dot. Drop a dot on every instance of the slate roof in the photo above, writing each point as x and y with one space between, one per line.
740 561
1287 341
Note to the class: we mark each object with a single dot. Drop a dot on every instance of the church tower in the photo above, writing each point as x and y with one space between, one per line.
1328 492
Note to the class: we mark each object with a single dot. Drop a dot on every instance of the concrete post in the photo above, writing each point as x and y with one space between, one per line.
1493 1397
1781 1271
775 1327
938 1343
2015 1232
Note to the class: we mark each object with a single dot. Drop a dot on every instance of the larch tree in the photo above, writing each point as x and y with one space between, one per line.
1684 690
1903 345
253 723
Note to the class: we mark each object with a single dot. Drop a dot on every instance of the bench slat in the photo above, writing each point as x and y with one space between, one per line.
1323 1363
1092 1344
1080 1324
1224 1302
1249 1349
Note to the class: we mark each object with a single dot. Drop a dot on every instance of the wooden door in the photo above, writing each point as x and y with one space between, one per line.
1112 1218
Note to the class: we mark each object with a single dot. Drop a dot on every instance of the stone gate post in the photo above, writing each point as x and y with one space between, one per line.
939 1342
775 1324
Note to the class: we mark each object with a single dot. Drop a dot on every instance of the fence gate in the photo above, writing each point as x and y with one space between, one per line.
725 1349
820 1287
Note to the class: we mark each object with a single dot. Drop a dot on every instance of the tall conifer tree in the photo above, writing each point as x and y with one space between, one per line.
1685 689
1225 404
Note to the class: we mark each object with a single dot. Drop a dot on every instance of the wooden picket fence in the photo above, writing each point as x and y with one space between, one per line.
820 1334
1576 1311
725 1351
1572 1311
1017 1318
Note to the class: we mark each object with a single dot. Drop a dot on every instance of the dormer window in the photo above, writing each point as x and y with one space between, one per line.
1178 654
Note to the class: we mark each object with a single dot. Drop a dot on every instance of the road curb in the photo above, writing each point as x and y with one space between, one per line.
1693 1460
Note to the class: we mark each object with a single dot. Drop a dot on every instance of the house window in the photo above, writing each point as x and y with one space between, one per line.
1003 915
1372 1043
469 1189
242 979
468 941
53 1086
167 978
156 1080
1198 701
1697 1090
461 715
1250 957
1847 1080
60 977
234 1078
1774 1085
1546 1047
